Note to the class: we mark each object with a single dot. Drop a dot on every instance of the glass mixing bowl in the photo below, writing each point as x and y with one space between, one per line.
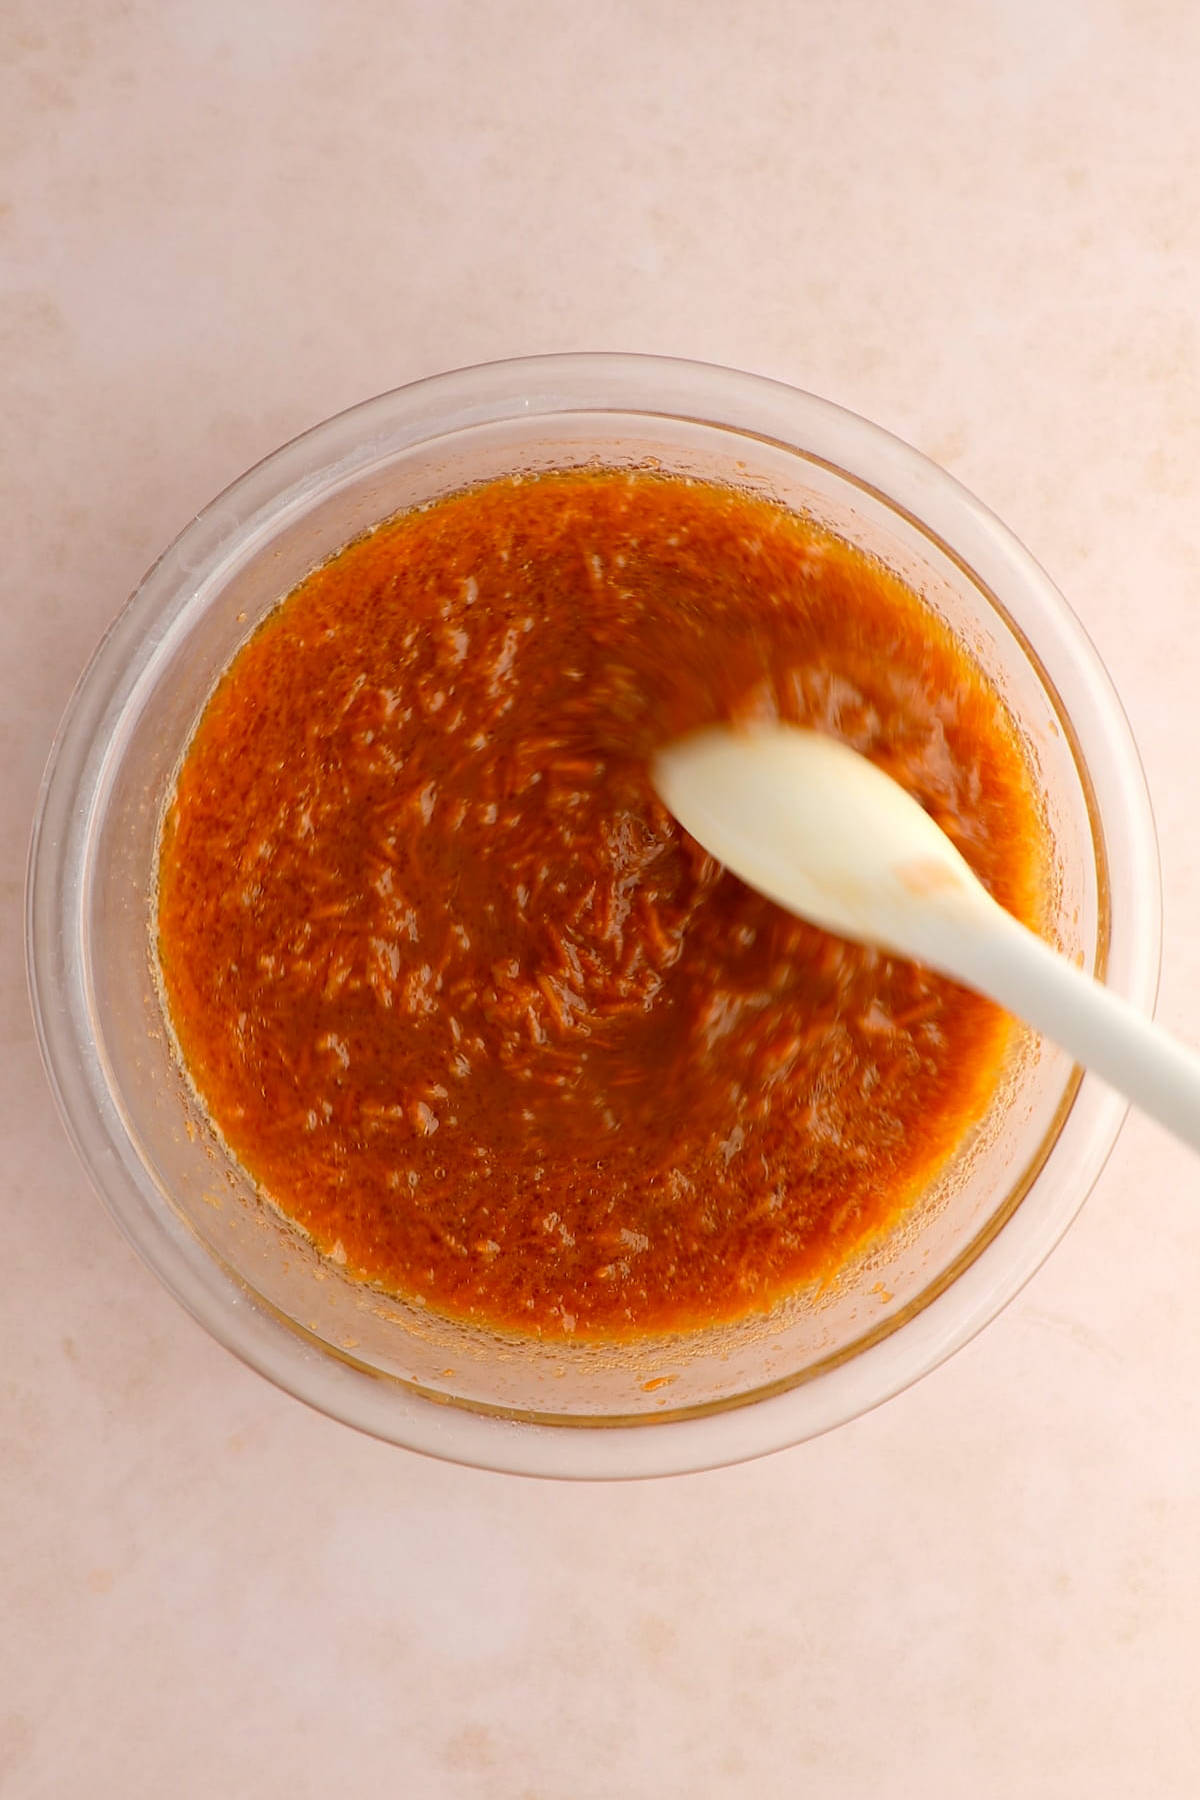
665 1404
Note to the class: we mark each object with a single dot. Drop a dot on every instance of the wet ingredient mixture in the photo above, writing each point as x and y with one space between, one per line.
464 1000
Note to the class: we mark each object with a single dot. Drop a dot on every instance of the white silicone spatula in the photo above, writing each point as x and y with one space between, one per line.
816 827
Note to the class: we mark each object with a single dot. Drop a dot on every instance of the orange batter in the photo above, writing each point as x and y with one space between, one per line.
462 997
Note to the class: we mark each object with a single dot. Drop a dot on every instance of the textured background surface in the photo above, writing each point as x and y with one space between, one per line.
978 225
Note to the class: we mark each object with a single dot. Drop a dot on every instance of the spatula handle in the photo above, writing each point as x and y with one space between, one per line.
1002 959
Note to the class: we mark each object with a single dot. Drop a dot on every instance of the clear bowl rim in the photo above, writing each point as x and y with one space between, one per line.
755 407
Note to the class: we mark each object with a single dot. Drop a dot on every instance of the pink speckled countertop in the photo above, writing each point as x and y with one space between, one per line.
978 225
